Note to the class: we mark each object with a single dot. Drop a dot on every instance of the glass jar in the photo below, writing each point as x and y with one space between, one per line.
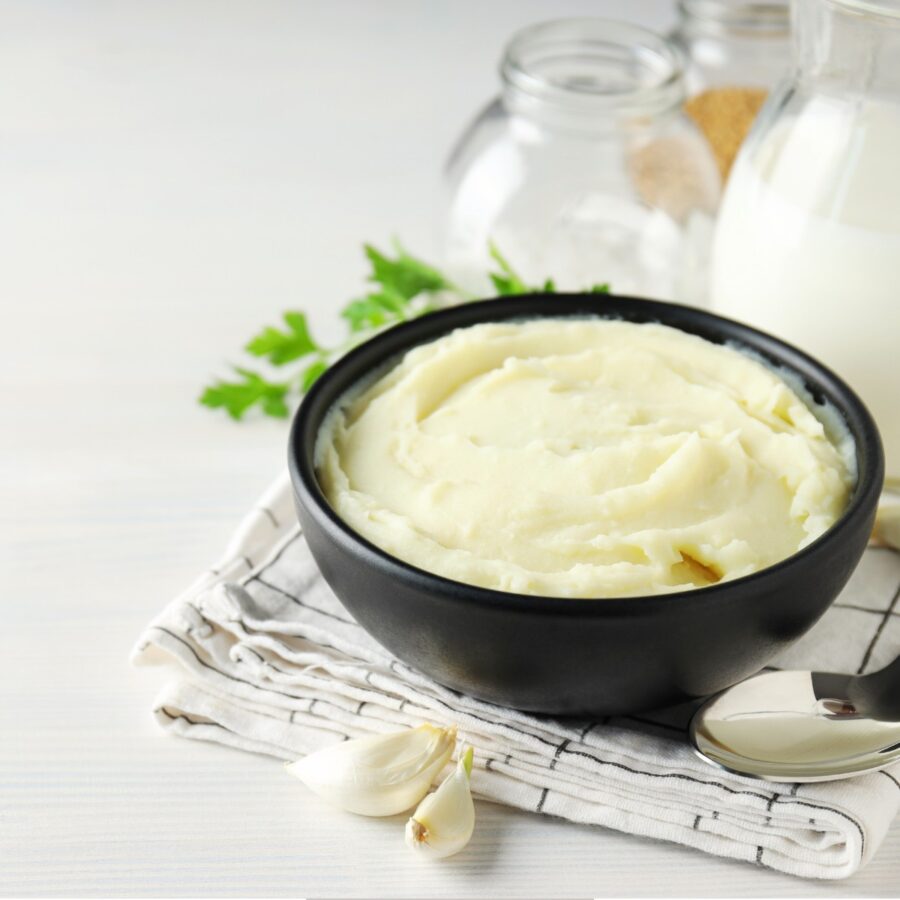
736 53
585 169
808 241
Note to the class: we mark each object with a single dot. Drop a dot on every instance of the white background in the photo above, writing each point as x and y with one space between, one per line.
172 175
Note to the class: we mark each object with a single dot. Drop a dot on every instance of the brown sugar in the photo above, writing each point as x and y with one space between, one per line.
725 115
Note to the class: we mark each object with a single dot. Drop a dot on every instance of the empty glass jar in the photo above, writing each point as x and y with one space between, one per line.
730 43
585 168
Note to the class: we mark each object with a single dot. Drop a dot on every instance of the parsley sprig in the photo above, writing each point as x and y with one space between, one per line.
402 287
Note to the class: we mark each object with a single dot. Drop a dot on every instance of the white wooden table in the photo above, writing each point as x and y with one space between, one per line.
172 175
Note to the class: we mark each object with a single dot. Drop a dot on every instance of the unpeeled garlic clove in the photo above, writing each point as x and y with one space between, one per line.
444 820
381 774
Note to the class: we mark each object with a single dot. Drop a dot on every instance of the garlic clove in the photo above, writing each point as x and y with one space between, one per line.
444 820
380 774
887 525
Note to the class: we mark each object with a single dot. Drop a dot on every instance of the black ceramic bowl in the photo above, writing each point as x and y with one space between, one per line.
557 655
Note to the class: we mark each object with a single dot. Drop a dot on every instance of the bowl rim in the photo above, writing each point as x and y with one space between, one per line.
401 338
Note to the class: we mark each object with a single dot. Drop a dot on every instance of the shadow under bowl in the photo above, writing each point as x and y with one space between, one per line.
576 656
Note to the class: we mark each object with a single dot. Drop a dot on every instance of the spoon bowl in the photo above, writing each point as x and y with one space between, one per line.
803 726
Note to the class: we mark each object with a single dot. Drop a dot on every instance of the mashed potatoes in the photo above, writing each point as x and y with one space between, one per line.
582 458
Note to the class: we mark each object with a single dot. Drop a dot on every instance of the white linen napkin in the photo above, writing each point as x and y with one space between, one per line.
269 661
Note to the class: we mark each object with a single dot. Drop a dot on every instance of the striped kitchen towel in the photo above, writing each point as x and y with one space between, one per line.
267 660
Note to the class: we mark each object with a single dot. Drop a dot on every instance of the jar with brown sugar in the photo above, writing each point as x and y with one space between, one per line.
736 52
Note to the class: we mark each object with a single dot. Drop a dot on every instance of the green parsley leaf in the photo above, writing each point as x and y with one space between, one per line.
236 397
406 287
374 310
506 287
364 314
405 276
311 374
274 406
281 347
507 282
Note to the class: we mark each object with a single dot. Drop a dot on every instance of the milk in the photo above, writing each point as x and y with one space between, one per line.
808 246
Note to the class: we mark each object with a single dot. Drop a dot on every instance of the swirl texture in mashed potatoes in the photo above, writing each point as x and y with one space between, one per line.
583 458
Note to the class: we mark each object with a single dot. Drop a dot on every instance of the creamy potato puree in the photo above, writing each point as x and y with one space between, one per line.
582 458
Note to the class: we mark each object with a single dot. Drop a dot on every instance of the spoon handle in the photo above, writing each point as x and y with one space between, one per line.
882 690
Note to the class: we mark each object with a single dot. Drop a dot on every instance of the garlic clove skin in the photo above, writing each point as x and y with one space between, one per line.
444 820
380 774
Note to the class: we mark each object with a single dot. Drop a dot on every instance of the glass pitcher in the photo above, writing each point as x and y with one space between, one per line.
808 240
585 169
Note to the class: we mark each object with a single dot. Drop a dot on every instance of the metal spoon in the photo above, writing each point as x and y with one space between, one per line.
803 726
